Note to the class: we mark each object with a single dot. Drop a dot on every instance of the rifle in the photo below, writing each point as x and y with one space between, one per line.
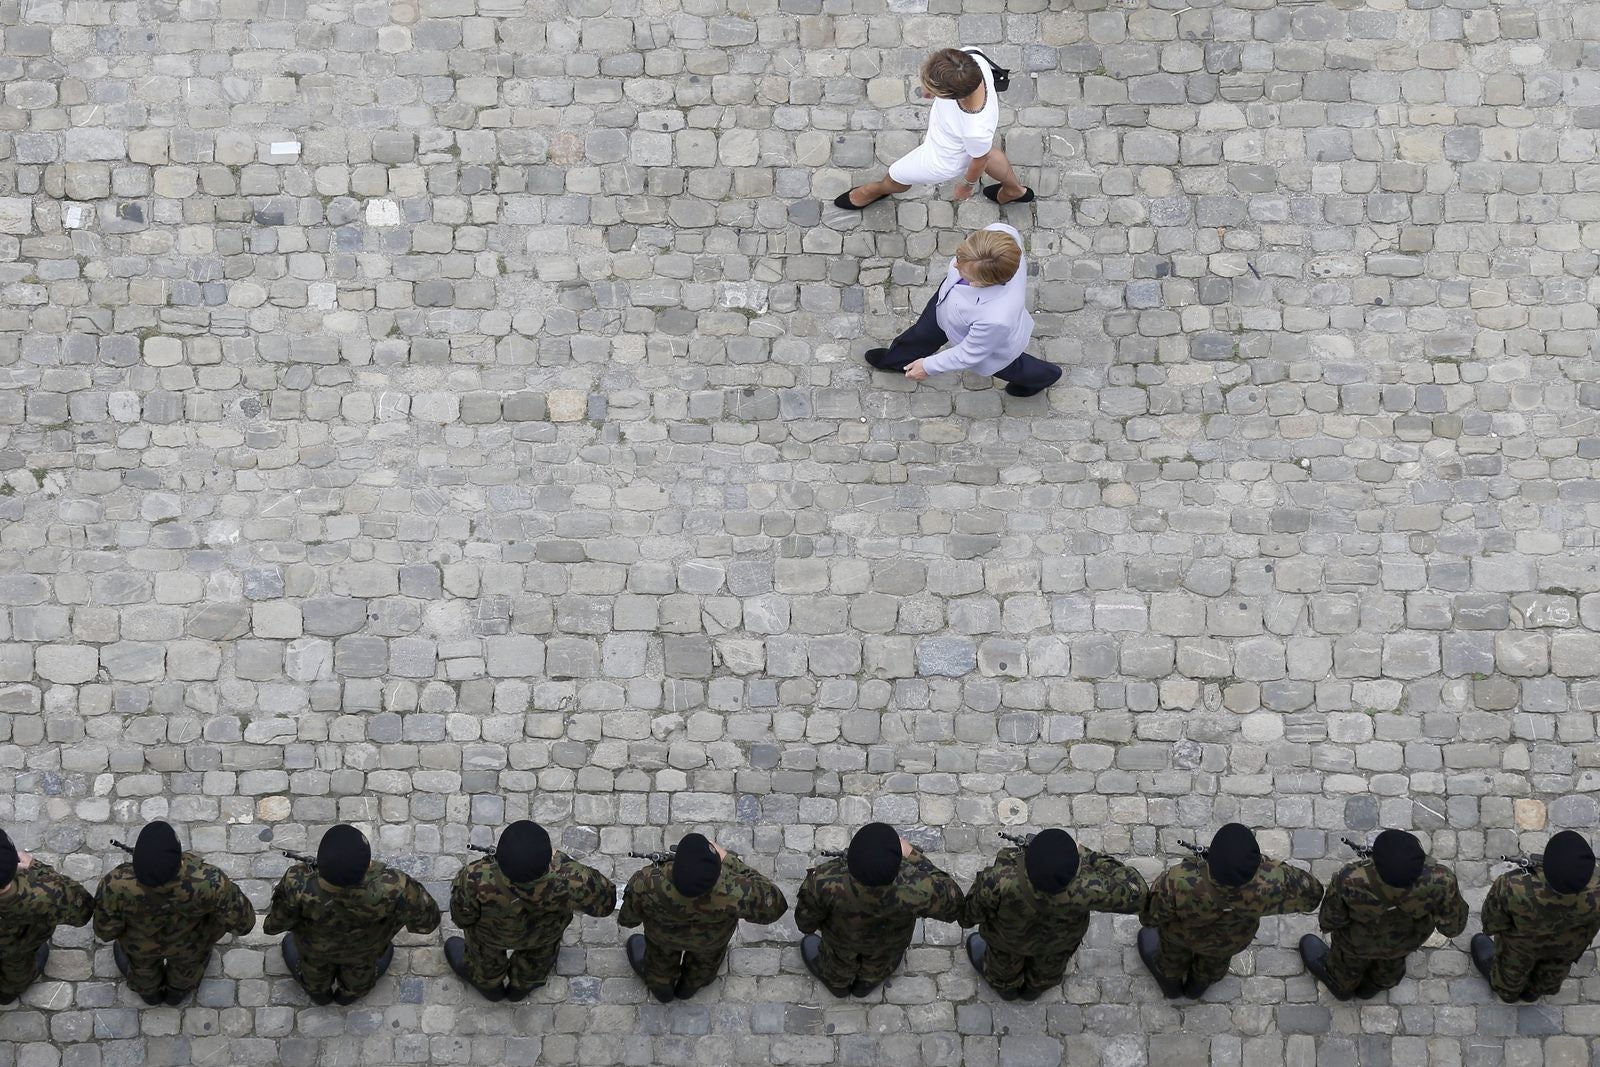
834 853
1364 851
487 850
1199 850
126 848
654 857
1528 864
1024 840
300 857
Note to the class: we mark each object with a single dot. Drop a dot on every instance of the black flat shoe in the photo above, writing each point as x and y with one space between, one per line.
843 201
1017 390
1482 953
993 193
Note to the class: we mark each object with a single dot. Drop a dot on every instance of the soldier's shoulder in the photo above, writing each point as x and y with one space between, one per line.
119 879
478 871
1437 876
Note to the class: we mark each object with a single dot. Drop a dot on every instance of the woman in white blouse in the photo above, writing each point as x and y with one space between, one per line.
960 143
981 312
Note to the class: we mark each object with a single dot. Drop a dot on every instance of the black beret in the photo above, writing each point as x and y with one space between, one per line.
1568 863
524 851
8 860
1051 860
157 854
1234 856
874 854
695 866
1399 858
343 856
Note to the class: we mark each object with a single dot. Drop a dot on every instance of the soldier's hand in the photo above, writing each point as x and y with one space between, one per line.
905 848
24 860
722 853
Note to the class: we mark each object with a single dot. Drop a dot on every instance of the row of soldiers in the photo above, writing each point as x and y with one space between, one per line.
339 912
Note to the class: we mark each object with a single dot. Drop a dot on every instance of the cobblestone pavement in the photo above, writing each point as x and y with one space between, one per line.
433 413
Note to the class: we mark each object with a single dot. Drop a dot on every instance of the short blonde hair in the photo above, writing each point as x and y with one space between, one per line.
951 73
990 257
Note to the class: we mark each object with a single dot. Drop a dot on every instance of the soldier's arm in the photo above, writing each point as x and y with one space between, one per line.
464 909
71 904
1496 908
232 907
632 911
763 902
981 900
1158 906
109 923
598 896
1301 890
417 907
946 903
284 912
810 911
1125 891
1453 912
1335 912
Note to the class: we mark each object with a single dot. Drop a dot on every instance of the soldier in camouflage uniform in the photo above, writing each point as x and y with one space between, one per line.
519 900
1205 909
1032 906
1537 923
690 906
34 900
1379 910
866 905
341 916
165 910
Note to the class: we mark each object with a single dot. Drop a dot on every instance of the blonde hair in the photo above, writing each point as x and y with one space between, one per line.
951 73
991 257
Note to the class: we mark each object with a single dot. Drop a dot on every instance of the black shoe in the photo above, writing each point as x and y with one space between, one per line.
1483 953
811 956
863 989
384 961
634 949
1314 951
843 201
681 990
993 193
516 993
455 954
1366 991
40 958
1149 944
291 957
1029 993
1017 390
8 998
1194 989
174 997
875 358
1528 997
344 1000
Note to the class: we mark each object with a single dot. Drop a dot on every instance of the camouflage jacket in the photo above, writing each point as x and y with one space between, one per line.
875 919
349 924
1015 917
38 900
1377 921
196 908
1213 920
502 914
1523 907
699 924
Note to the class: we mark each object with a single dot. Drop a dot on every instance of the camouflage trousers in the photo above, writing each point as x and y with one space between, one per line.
841 968
182 968
1012 972
690 971
1347 971
355 977
17 972
1522 969
1183 964
522 968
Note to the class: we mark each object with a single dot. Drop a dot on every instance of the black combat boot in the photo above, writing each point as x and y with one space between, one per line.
1314 951
1483 953
1149 944
455 954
